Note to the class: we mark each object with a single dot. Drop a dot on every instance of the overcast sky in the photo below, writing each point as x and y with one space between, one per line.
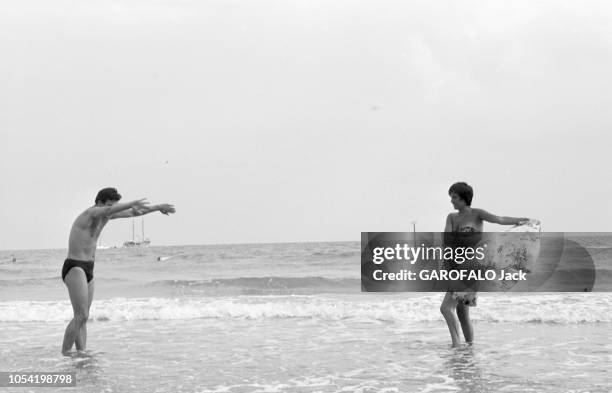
274 121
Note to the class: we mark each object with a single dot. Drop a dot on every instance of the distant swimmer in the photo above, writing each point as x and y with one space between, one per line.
82 251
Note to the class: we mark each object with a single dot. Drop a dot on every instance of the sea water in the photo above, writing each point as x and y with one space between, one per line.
291 318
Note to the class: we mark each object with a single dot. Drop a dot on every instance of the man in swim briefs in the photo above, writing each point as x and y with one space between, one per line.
82 251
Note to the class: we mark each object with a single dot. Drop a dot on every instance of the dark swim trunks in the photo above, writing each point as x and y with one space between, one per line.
87 267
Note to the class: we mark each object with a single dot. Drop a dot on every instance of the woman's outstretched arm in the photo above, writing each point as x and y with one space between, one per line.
486 216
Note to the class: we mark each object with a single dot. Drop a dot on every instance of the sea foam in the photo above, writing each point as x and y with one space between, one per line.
565 308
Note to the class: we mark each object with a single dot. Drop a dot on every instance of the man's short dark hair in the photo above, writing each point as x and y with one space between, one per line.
463 191
107 194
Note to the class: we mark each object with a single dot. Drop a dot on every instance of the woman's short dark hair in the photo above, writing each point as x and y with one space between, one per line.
463 191
107 194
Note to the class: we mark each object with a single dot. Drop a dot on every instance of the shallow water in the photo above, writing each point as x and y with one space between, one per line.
275 354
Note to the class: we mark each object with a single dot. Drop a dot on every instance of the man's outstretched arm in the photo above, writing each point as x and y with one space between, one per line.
164 208
107 211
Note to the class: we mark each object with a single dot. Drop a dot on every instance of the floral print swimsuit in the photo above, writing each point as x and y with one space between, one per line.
468 298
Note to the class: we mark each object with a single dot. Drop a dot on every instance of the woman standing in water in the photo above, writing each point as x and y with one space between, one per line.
455 306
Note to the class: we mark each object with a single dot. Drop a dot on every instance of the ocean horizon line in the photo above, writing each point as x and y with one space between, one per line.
189 245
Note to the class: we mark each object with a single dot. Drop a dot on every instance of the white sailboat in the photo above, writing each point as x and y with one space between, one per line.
143 242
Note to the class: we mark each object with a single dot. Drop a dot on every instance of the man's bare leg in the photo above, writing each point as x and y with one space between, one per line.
463 312
447 309
81 340
79 297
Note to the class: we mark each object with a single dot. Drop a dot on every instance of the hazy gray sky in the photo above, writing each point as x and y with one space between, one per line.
266 121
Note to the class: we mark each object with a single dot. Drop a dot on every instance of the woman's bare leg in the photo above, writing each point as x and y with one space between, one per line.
463 312
447 309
